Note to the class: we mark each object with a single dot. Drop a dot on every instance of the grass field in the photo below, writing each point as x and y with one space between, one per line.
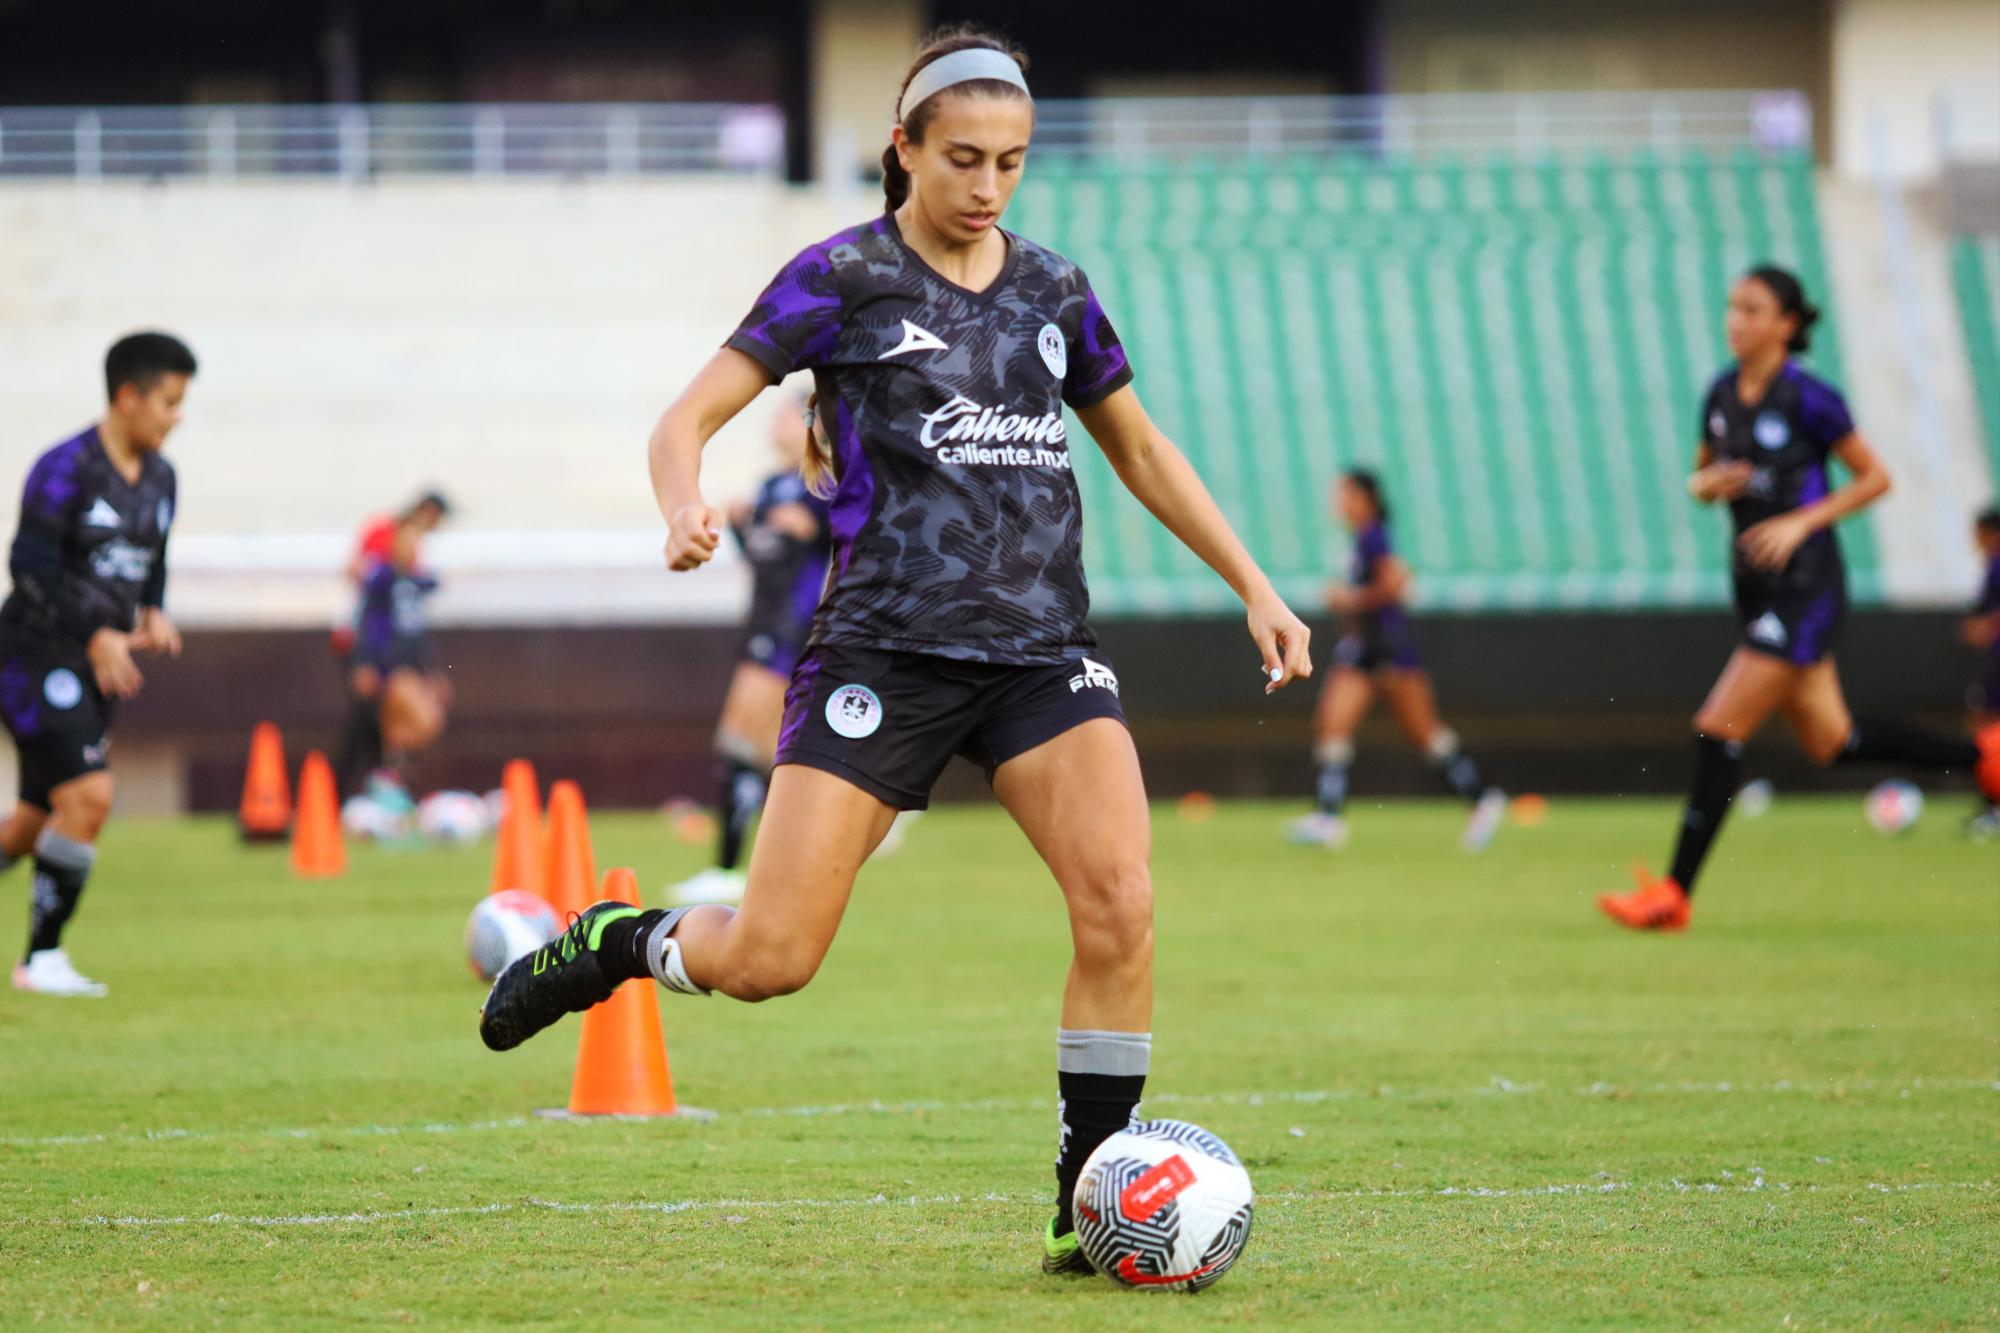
1464 1097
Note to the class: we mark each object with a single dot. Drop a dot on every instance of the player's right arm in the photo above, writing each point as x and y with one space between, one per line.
717 393
79 610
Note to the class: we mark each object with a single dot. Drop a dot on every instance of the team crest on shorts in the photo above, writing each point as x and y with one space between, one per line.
62 689
1055 352
853 711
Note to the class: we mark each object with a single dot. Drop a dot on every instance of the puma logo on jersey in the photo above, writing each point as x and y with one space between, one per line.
1768 629
1095 675
102 515
915 340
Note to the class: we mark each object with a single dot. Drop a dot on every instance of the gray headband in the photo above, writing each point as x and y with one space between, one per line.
976 62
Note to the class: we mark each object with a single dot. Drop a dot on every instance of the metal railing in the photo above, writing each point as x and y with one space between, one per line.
359 142
1417 125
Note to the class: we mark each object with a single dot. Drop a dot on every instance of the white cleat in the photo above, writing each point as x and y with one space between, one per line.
50 972
1318 829
713 885
898 830
1485 821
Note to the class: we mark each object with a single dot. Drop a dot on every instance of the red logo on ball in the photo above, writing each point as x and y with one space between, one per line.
1155 1189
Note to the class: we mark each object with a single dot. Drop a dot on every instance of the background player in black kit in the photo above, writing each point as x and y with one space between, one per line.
1378 647
1769 434
89 564
784 535
943 351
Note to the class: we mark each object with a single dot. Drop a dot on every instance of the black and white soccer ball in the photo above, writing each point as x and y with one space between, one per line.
1165 1205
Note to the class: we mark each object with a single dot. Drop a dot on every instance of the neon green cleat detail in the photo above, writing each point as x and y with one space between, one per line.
1064 1254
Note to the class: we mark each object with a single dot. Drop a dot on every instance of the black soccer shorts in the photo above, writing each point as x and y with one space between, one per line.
53 709
889 722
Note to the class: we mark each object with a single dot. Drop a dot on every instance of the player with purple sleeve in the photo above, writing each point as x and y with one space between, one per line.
90 583
943 351
1769 435
1378 649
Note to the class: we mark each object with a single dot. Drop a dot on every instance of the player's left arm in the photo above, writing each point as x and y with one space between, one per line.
156 631
1770 544
1160 477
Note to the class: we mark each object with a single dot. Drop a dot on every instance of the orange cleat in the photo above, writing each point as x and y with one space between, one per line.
1988 769
1657 904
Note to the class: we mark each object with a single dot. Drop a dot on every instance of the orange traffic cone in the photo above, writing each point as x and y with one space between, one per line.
266 811
621 1055
317 849
517 856
569 871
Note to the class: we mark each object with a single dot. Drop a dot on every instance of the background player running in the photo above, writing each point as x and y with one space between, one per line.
1769 431
1981 631
361 754
1378 647
943 351
90 582
784 535
393 664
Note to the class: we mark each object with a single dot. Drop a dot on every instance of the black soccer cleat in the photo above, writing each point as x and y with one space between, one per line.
564 976
1063 1255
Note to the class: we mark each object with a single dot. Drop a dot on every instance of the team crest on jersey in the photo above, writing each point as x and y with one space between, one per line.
1095 676
1055 352
1773 431
853 711
62 689
164 515
1768 629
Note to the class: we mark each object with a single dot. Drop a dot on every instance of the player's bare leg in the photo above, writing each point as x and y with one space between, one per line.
746 738
1081 800
65 849
1414 704
1343 702
818 830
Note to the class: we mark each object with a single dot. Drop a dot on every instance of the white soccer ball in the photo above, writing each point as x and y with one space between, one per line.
1755 798
510 924
1163 1204
366 817
1895 805
452 816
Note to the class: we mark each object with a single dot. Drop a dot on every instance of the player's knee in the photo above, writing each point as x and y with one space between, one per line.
1823 747
1113 912
767 974
83 805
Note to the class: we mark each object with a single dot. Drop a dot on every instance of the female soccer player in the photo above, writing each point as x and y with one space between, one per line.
783 533
1379 647
1981 631
1769 430
392 663
943 350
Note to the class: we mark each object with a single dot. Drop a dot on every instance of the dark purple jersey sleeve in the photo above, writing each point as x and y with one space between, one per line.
1823 414
1989 594
49 507
1097 364
795 324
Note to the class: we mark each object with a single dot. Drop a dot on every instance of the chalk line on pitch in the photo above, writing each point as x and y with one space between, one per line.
1496 1086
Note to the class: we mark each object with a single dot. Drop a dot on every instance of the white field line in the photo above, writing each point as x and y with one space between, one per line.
1494 1087
732 1209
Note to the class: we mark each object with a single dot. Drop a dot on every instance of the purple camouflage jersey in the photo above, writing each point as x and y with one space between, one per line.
1989 603
956 523
1787 438
787 573
91 550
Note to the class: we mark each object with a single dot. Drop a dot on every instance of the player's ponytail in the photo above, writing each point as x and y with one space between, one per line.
1791 294
941 43
816 465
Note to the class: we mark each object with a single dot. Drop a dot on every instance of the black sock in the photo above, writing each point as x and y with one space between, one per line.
1718 768
1460 774
1891 740
1095 1105
740 797
1330 788
360 746
621 949
62 868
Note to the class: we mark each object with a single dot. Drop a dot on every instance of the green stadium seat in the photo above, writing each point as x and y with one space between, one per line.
1975 274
